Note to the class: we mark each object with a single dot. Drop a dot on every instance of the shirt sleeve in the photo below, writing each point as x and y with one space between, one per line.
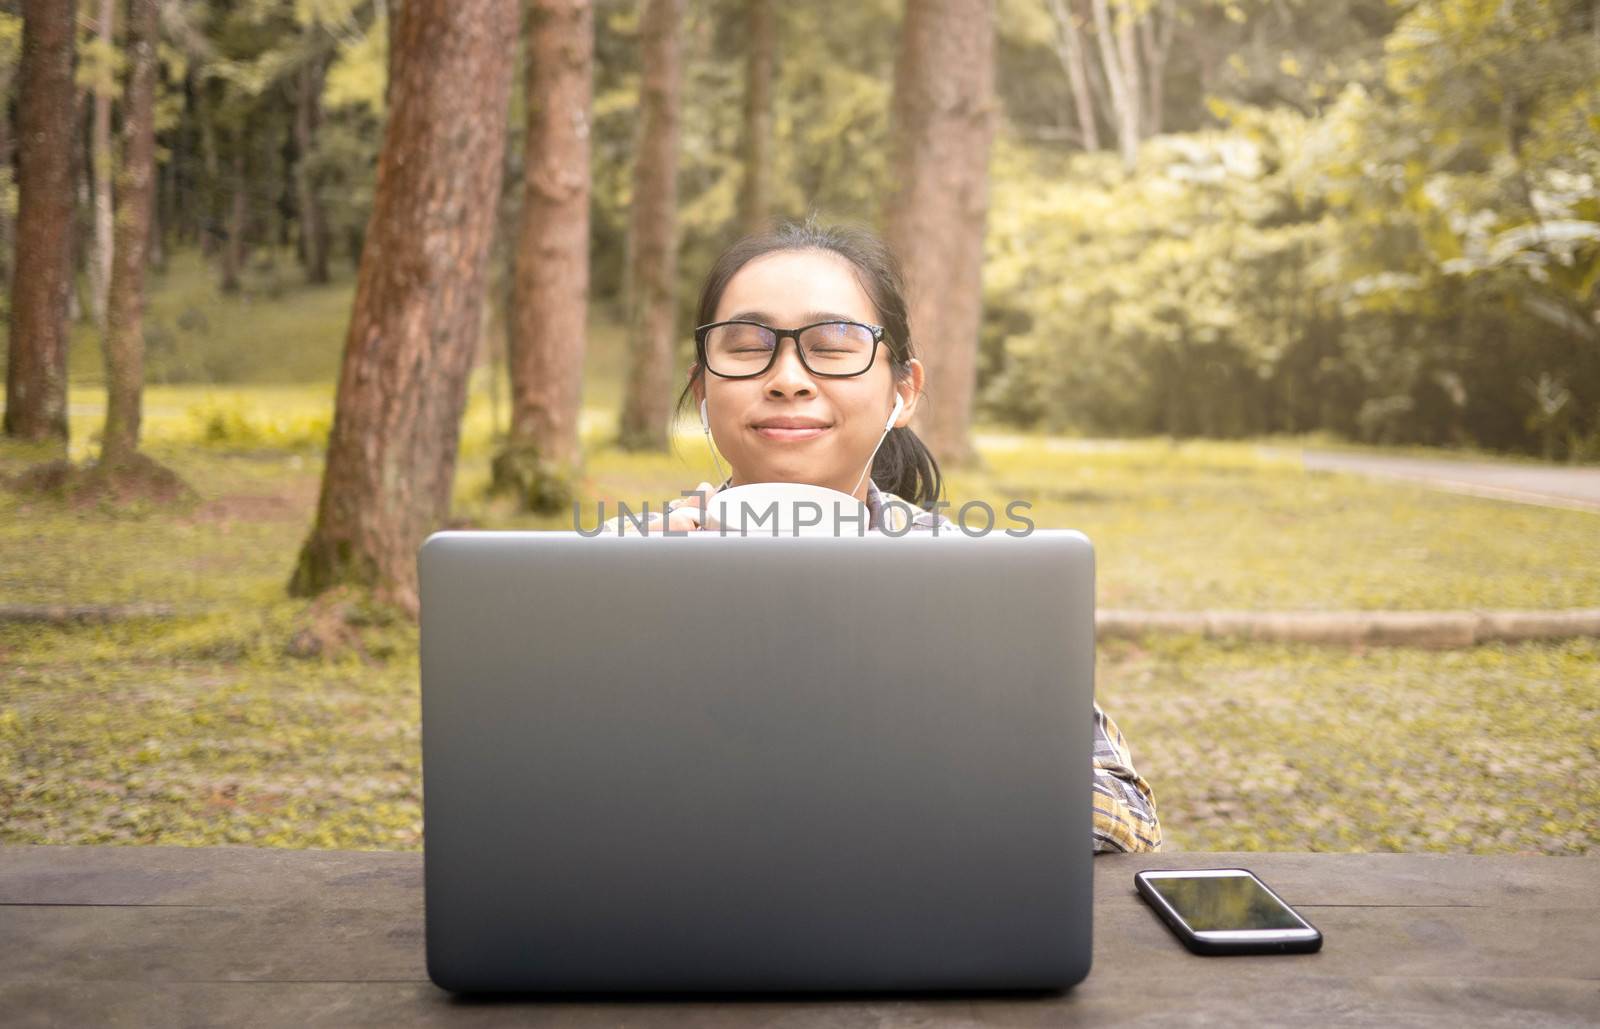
894 515
1124 804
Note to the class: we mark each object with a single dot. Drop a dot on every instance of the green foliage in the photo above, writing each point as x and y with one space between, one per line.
359 75
100 64
1369 218
226 117
344 159
10 38
10 57
1416 263
831 112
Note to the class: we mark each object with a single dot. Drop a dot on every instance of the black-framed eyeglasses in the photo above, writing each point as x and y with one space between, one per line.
742 350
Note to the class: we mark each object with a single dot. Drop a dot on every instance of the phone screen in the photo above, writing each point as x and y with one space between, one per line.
1221 902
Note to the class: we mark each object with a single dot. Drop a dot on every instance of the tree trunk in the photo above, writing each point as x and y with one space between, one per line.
653 233
419 297
942 126
282 218
211 231
1154 70
307 121
1124 101
1070 53
36 372
78 263
391 19
124 340
551 284
238 219
102 162
1156 29
8 76
1133 88
155 251
755 190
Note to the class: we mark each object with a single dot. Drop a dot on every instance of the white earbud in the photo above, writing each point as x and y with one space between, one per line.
899 405
705 423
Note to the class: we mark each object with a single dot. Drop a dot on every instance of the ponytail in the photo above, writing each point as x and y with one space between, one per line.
905 467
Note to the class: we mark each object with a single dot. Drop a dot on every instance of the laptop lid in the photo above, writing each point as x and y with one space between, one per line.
716 763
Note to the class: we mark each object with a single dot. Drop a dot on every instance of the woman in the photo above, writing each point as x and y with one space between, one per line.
814 412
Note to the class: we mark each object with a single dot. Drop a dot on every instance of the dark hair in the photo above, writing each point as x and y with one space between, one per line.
903 465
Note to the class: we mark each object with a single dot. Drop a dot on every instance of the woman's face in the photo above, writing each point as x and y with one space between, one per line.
786 290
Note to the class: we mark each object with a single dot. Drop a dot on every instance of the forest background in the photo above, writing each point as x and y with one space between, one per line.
1173 228
1374 218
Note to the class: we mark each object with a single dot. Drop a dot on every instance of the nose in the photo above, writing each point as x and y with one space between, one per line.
788 376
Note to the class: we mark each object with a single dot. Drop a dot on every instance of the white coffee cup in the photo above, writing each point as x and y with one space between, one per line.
786 509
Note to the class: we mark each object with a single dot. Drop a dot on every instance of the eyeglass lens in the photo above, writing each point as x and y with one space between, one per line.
832 348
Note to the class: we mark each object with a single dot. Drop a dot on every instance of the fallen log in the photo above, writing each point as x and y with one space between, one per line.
81 614
1442 629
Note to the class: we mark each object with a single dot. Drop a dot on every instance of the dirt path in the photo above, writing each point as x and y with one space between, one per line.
1577 488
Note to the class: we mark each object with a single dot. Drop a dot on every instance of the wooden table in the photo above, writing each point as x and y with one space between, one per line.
95 936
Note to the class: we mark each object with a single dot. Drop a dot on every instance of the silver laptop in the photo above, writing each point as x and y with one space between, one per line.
721 763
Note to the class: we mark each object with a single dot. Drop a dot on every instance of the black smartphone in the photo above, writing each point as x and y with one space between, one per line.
1226 911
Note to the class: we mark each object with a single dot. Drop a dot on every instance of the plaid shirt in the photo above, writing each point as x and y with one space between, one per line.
1124 804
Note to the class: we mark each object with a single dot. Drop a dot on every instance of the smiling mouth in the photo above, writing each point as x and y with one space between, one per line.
802 432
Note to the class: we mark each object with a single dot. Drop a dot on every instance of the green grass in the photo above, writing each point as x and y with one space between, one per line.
1176 526
1219 525
202 734
1493 749
232 548
203 729
205 733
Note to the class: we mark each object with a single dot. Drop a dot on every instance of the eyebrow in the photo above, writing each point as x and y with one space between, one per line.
809 318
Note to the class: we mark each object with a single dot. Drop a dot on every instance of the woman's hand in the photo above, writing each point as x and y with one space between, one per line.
685 512
682 515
